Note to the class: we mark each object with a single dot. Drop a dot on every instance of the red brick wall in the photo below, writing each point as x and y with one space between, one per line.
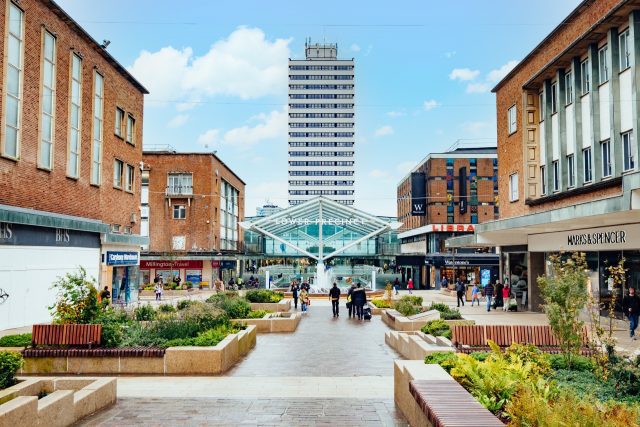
21 182
510 147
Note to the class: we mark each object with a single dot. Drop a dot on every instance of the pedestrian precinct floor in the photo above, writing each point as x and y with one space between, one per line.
330 372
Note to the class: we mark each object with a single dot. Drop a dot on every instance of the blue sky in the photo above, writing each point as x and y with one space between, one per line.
217 71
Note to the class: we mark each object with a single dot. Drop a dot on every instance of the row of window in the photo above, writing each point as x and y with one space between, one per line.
123 175
321 96
321 153
321 134
320 183
321 144
320 173
321 115
321 67
321 192
342 202
322 106
321 87
321 125
321 77
11 138
320 163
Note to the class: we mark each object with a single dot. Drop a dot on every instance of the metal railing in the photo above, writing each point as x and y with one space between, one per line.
179 190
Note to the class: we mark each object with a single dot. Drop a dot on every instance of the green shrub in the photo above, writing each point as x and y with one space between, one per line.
76 299
166 308
144 313
406 308
437 328
236 308
446 359
257 314
446 312
442 308
264 296
182 304
205 316
135 334
208 338
113 322
171 329
9 365
480 356
412 299
380 303
580 363
19 340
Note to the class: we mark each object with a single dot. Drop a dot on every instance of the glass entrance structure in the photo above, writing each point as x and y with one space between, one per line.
323 230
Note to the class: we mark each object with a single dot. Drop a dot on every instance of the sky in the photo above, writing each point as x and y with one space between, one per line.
217 73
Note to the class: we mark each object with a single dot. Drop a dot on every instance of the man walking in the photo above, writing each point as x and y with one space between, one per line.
460 290
294 294
631 305
334 296
488 292
359 298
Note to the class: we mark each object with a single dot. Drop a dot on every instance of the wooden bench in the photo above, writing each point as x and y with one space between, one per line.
66 335
447 403
470 338
94 352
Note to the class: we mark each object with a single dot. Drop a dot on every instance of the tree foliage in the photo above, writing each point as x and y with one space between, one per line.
76 299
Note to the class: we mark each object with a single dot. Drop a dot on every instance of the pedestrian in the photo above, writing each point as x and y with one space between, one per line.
177 281
410 285
334 296
444 283
475 294
105 296
294 294
631 305
506 296
498 301
488 292
359 298
460 292
158 289
304 299
350 303
396 285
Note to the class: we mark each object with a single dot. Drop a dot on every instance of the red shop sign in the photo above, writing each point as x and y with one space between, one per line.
215 264
185 263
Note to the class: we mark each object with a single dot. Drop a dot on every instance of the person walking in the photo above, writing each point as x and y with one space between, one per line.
506 296
410 285
105 297
475 294
359 298
294 294
350 303
444 283
631 305
396 285
304 299
488 292
498 301
334 296
158 290
460 291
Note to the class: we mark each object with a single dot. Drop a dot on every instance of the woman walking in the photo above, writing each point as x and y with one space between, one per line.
410 285
506 296
303 296
475 294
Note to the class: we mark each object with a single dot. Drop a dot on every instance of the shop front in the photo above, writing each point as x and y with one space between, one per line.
470 268
122 268
189 271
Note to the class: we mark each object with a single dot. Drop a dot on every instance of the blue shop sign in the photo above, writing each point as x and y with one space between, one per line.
226 264
122 258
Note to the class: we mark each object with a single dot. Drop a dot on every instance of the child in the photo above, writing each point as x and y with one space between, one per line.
475 294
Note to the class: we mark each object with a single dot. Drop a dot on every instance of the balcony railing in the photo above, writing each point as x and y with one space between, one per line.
179 190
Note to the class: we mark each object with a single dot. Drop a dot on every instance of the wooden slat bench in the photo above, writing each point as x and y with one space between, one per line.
447 404
96 352
470 338
66 335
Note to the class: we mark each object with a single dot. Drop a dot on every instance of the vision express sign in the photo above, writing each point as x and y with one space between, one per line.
612 238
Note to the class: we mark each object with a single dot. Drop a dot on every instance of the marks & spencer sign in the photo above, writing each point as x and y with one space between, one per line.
618 237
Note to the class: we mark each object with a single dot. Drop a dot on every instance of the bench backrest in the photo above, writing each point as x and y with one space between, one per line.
66 334
505 335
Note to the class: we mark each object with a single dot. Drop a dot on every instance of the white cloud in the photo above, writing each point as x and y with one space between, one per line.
355 48
478 88
430 104
244 65
384 130
178 121
379 174
463 74
450 54
270 126
395 113
405 167
496 75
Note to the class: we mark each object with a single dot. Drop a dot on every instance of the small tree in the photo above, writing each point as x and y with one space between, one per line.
76 300
565 295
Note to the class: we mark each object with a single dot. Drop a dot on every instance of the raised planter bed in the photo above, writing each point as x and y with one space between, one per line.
172 361
274 322
68 400
283 306
168 293
375 310
398 322
415 345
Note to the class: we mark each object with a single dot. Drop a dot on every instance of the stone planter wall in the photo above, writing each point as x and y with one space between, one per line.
176 361
398 322
283 306
167 293
274 323
68 400
416 345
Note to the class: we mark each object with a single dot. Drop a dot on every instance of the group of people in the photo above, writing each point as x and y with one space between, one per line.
396 285
158 285
356 299
497 295
300 293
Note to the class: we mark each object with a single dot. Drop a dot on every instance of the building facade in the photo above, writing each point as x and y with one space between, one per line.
321 126
191 205
70 150
568 120
461 191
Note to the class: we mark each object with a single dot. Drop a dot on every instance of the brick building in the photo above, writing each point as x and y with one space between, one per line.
461 191
568 119
191 206
70 150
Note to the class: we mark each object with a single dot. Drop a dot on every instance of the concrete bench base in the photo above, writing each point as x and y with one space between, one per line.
273 322
415 345
284 306
398 322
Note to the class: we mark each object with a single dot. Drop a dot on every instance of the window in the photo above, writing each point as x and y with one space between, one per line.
511 115
96 152
513 187
543 110
179 212
556 176
229 215
75 110
554 98
119 121
14 52
543 180
603 68
606 158
180 184
586 77
568 88
586 164
625 55
117 173
129 174
47 101
571 170
131 123
627 151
